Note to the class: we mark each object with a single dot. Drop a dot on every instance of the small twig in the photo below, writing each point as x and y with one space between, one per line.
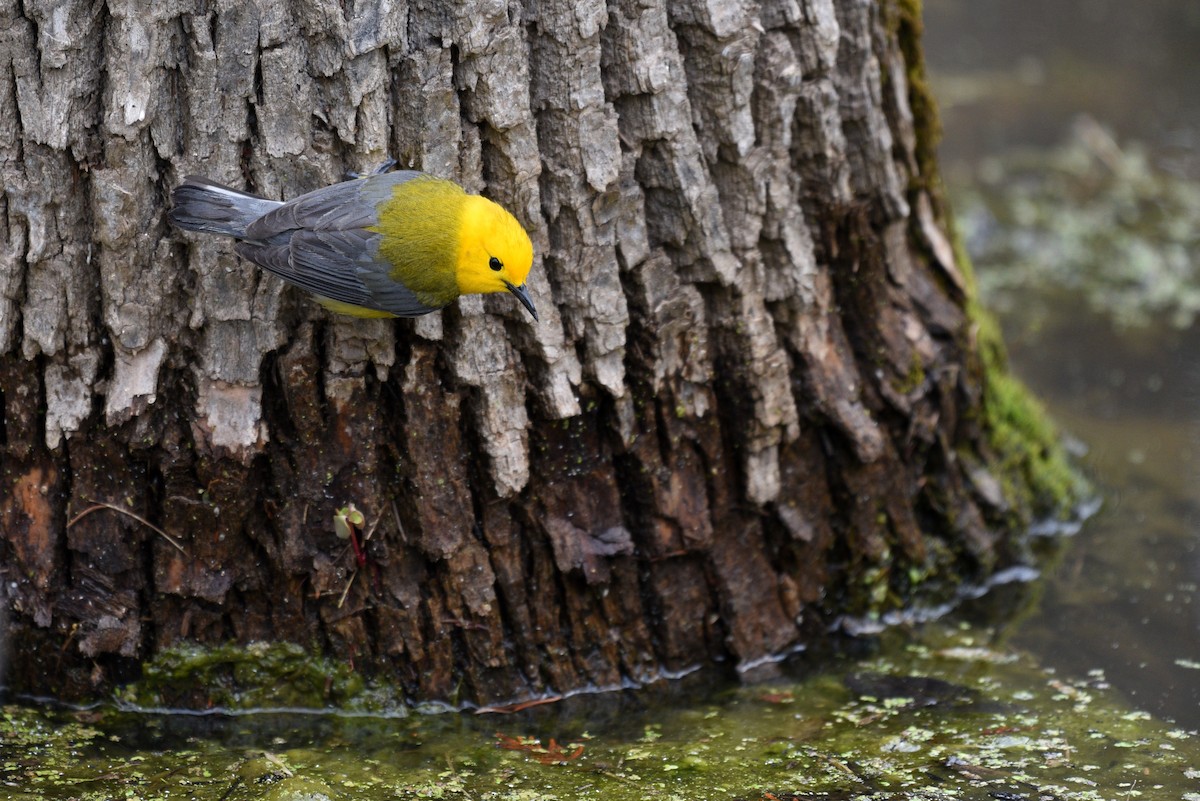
346 591
508 709
396 517
102 505
371 530
237 780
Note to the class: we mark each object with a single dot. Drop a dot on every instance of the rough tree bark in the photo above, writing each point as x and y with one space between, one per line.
754 401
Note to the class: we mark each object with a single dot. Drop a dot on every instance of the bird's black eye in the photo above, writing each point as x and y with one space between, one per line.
496 264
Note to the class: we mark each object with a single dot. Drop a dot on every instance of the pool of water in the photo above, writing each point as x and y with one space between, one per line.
947 711
1097 94
1126 596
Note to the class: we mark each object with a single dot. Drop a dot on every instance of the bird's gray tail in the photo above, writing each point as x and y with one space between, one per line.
199 204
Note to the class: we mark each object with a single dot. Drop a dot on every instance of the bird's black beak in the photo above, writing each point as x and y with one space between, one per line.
522 295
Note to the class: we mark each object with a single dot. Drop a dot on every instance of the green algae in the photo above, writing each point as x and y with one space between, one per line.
1091 221
953 714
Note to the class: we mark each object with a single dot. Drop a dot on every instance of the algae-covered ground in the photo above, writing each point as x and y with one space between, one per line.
947 714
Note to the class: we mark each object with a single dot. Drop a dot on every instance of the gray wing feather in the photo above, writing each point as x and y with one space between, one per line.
340 207
319 243
338 265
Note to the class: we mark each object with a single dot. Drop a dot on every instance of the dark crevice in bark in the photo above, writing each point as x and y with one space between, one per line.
19 143
37 50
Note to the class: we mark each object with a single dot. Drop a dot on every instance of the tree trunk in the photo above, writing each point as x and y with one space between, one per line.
754 401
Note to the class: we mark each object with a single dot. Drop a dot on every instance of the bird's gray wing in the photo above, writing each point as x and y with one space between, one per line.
338 265
339 207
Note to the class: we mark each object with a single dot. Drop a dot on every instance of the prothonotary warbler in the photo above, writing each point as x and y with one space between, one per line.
389 244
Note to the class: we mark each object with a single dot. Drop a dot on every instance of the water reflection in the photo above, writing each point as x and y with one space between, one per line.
1125 598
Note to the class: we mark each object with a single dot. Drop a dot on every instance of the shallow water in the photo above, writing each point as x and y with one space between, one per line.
950 713
1100 324
1126 596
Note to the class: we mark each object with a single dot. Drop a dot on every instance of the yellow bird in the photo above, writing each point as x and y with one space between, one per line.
389 244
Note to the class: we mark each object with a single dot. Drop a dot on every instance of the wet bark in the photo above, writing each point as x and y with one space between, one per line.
752 403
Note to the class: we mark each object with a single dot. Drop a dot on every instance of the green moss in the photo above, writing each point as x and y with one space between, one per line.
255 676
914 378
905 23
1034 471
1033 467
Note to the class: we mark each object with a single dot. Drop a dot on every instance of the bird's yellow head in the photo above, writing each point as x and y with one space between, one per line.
494 252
